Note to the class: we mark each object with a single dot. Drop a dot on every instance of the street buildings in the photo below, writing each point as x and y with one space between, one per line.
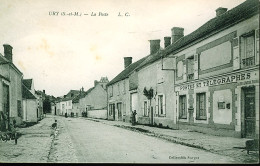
217 76
30 102
118 93
207 81
10 88
64 105
94 101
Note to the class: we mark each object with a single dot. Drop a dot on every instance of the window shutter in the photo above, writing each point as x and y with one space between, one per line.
236 59
164 103
156 106
184 71
159 73
257 47
197 106
196 66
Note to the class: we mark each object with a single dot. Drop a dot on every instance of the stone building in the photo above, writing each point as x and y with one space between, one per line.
217 76
10 87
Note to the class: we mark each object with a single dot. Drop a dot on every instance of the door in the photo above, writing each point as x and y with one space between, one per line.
114 112
250 118
6 105
119 109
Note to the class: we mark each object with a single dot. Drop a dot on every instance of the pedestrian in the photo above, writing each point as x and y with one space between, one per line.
134 118
54 125
66 115
54 131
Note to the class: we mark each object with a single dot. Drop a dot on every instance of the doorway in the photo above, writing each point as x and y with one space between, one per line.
6 104
249 112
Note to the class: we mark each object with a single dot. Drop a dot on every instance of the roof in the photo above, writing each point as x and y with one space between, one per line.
150 59
241 12
28 83
26 94
82 95
126 72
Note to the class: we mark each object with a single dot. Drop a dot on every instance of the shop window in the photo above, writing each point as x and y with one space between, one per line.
182 107
190 68
201 106
146 108
247 50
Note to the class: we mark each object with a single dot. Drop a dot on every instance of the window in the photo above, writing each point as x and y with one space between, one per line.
19 108
119 109
247 50
111 91
221 105
146 108
190 68
179 68
182 107
63 106
161 108
201 106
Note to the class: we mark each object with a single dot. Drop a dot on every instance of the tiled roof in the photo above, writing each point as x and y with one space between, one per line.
27 83
243 11
79 96
125 73
239 13
26 94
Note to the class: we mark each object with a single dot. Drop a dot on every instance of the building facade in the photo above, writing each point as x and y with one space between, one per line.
119 97
94 101
10 87
217 76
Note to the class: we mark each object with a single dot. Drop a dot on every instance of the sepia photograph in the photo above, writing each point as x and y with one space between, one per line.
129 81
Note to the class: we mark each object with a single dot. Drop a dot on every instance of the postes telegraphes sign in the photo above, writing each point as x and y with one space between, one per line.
216 81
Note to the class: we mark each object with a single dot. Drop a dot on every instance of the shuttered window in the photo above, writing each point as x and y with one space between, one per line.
161 105
201 106
182 107
247 50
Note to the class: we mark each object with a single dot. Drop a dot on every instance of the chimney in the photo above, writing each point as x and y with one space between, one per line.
127 61
8 52
167 41
220 11
95 82
177 33
154 46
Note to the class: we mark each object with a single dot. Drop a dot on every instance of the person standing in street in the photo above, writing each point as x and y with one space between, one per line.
134 117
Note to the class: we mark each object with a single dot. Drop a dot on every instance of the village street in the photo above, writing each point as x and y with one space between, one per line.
86 140
82 140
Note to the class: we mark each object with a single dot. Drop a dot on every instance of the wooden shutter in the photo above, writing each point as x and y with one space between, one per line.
197 106
257 47
196 66
164 104
236 59
184 71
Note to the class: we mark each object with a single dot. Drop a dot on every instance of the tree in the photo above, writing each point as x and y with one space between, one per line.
46 105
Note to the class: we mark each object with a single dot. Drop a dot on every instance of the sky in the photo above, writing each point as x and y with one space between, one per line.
66 52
